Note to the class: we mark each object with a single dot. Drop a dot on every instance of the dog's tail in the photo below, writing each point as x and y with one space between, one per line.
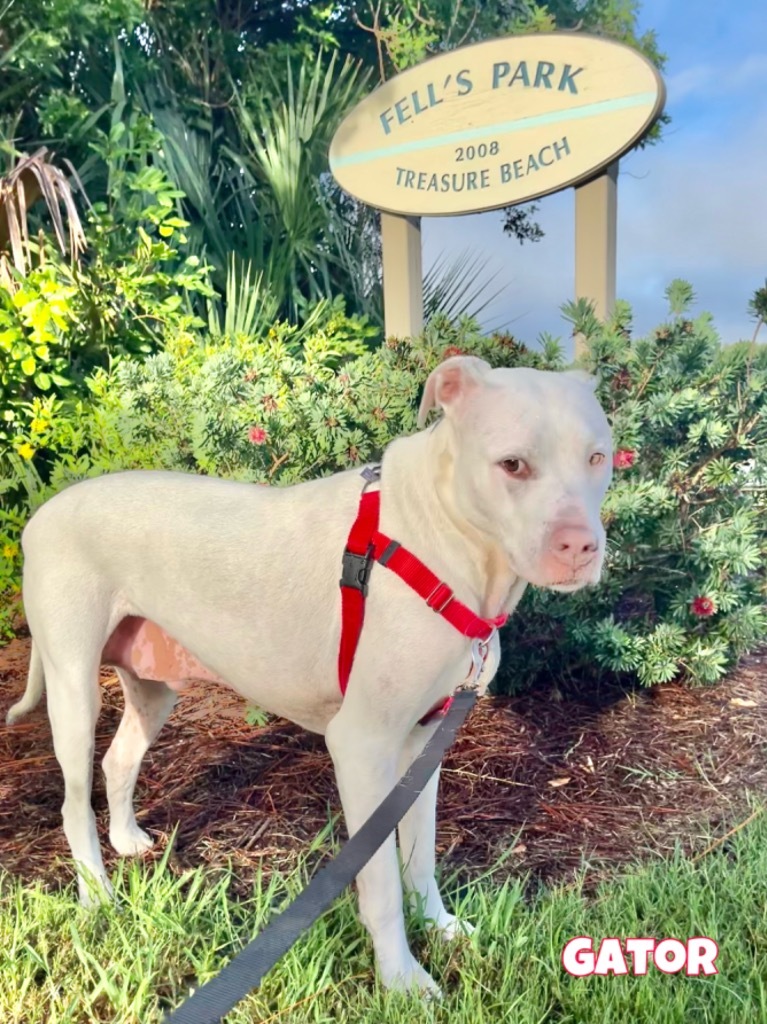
34 690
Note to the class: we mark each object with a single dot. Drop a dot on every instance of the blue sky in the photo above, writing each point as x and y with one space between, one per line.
693 206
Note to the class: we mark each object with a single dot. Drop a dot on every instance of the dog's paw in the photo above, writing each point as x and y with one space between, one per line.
94 891
410 977
130 842
449 927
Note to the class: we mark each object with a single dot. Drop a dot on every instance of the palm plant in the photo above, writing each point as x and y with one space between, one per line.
458 287
757 308
34 177
191 157
249 308
256 183
285 140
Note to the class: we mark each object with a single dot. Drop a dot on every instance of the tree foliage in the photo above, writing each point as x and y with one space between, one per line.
246 97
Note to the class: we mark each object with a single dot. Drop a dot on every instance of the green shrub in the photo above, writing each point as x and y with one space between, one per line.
282 410
683 592
34 350
684 586
128 293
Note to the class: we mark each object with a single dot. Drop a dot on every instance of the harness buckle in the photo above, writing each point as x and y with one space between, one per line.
479 652
479 649
371 475
439 601
355 570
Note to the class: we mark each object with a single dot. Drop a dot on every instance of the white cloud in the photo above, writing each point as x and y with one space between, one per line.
694 206
538 276
690 81
709 79
700 213
747 72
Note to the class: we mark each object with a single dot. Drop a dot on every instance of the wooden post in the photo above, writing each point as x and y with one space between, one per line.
402 275
596 219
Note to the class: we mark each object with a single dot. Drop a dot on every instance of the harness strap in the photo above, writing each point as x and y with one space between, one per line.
354 585
366 544
438 595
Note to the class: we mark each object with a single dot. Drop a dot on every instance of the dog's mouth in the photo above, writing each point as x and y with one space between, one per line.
566 586
537 576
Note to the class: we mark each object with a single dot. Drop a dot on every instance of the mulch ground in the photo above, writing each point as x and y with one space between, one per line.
557 781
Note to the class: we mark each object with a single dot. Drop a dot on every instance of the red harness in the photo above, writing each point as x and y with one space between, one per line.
366 544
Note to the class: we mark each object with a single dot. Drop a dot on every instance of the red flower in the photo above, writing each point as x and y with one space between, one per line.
703 606
623 459
452 350
257 435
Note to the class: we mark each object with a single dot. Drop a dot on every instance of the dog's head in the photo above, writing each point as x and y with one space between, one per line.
528 461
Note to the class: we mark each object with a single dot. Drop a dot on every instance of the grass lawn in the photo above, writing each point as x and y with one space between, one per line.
59 963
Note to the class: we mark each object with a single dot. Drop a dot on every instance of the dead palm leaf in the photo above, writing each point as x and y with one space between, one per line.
34 177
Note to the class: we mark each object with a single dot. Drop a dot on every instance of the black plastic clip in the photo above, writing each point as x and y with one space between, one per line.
355 570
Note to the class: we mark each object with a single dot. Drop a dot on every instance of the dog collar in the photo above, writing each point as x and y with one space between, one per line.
366 545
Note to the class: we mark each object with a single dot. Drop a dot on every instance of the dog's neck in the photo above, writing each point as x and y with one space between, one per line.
416 484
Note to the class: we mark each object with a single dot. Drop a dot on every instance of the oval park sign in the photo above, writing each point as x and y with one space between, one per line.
496 123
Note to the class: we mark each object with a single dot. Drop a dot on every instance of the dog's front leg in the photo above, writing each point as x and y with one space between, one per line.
417 841
366 770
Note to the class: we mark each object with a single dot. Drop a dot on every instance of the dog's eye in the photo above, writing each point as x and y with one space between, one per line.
515 467
597 459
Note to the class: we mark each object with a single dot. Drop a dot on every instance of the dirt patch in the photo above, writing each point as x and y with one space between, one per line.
590 778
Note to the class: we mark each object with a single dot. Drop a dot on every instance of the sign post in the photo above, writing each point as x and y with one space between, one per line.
402 275
492 125
596 224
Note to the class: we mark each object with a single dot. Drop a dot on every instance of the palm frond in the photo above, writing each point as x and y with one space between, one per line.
459 287
34 177
353 246
290 134
249 307
187 158
286 134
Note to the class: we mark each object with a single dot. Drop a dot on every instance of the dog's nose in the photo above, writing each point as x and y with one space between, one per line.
573 546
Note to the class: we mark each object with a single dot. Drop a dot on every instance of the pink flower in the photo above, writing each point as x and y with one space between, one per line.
623 459
703 606
257 435
452 350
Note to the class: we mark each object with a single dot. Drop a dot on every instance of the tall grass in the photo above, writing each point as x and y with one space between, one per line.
61 964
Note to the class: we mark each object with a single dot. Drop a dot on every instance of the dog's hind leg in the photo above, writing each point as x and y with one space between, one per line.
147 706
74 701
34 690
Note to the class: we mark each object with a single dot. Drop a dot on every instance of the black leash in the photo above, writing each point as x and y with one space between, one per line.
209 1003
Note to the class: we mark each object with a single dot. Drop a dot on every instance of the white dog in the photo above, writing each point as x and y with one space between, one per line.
169 576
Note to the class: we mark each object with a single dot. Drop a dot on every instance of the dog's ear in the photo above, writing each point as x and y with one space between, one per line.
583 376
451 382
